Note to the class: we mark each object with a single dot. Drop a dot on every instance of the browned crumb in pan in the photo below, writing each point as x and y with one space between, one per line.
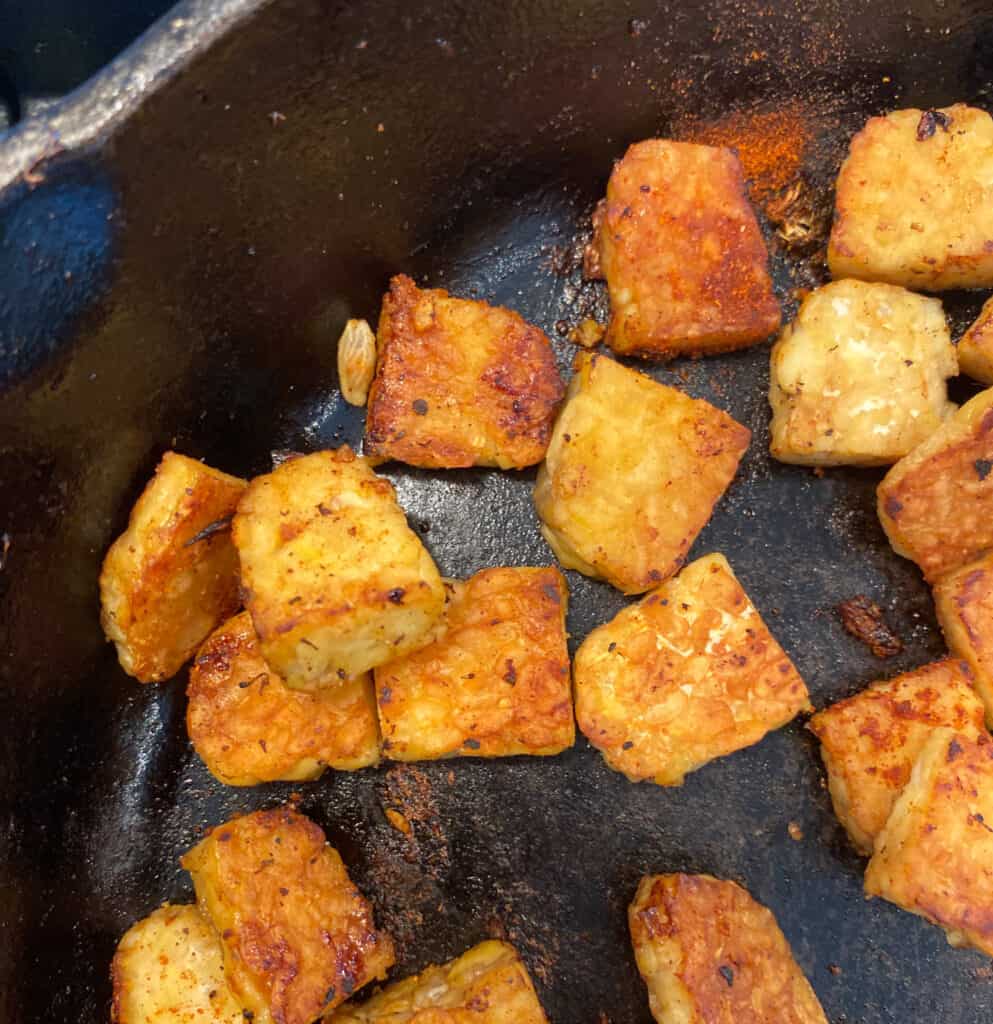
864 619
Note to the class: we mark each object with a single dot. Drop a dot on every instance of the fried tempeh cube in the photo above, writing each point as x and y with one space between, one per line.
250 727
869 742
935 855
859 377
964 602
334 578
487 985
936 504
169 969
632 474
172 576
298 937
975 347
459 383
914 201
497 681
688 674
679 245
709 952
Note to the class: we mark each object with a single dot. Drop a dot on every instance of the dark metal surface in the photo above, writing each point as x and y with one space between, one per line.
182 283
47 49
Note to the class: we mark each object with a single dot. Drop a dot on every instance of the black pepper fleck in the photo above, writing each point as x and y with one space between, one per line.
420 406
727 974
983 467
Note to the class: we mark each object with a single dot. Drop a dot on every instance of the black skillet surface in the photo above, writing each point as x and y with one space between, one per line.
183 284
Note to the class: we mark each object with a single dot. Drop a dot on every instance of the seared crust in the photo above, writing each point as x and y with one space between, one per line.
975 347
169 969
459 383
487 985
688 674
632 474
335 580
250 727
298 936
914 201
859 377
710 953
172 576
679 245
935 855
964 602
497 681
936 504
869 742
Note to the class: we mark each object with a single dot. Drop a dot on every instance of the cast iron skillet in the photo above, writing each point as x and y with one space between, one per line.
177 276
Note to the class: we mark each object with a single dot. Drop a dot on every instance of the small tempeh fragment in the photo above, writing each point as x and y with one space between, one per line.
685 261
864 620
710 953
